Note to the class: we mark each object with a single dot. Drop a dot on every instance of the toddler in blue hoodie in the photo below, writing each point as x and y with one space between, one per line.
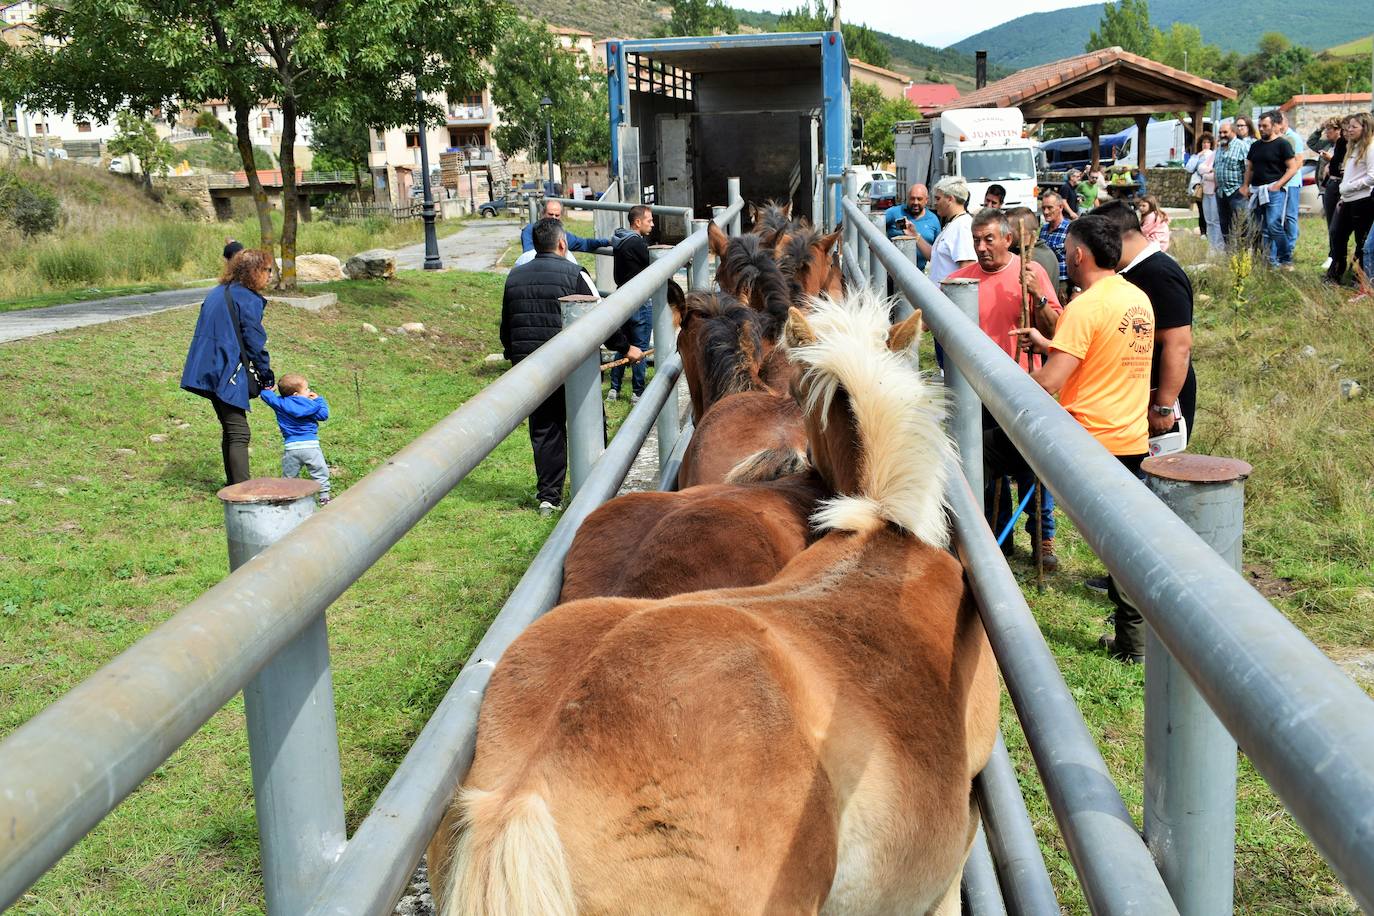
299 412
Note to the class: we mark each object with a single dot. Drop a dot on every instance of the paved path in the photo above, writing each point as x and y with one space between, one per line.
32 322
476 247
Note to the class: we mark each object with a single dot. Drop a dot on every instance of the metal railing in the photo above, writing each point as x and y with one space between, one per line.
66 768
1306 727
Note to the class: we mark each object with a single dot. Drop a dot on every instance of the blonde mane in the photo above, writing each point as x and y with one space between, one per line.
899 415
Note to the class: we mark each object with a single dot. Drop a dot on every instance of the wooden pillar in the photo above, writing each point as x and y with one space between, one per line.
1095 135
1198 129
1141 124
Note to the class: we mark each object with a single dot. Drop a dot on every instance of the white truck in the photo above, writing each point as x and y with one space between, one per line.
986 146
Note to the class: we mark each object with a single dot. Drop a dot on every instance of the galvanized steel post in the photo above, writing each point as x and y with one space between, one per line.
532 206
877 273
903 308
293 741
700 271
665 345
850 236
732 195
968 409
582 394
1011 839
1190 757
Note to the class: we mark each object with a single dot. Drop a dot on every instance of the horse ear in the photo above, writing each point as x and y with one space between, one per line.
827 242
905 334
716 238
797 332
752 211
677 301
787 210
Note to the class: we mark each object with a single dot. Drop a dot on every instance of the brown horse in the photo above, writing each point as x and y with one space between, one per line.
721 347
753 435
769 220
653 545
805 258
805 746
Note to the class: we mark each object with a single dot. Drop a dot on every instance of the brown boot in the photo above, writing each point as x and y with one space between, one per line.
1044 553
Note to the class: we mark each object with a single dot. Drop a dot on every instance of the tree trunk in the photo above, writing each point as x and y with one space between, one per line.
242 112
290 203
357 183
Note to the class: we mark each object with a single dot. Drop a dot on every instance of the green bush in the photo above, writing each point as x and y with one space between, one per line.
72 262
31 208
157 250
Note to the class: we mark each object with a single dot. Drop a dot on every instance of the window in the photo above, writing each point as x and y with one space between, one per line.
40 128
265 122
412 140
997 165
14 126
83 127
474 100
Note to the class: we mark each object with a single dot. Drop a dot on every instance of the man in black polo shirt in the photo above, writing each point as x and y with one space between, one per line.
1269 166
531 315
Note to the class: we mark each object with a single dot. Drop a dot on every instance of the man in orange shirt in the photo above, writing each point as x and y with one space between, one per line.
998 272
1099 365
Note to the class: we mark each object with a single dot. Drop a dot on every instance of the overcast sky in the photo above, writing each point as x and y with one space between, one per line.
934 28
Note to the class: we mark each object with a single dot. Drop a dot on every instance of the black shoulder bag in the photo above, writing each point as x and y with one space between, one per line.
254 379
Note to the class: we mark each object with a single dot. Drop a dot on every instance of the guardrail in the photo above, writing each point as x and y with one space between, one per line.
65 769
1306 727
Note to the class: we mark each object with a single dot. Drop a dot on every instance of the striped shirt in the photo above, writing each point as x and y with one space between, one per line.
1229 166
1055 239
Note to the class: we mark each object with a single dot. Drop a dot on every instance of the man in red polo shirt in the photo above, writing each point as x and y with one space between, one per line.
999 275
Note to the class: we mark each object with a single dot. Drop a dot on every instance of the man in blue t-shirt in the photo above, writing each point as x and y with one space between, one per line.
914 220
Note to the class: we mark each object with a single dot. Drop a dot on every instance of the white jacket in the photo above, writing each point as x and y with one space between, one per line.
1358 180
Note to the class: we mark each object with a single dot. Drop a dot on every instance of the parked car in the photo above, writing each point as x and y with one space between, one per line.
551 188
498 207
880 194
878 175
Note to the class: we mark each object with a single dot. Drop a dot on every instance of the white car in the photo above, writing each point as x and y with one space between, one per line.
877 175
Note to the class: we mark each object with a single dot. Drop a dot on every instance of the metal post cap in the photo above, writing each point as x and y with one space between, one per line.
1186 468
269 490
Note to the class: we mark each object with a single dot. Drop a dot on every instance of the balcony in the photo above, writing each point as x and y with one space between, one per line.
469 114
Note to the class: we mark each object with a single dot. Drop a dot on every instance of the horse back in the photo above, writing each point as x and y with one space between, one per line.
737 426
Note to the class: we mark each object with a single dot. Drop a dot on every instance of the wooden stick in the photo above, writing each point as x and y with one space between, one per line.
1025 289
625 360
1039 534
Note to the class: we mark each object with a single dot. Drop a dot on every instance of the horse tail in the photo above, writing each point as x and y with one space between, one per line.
508 860
769 464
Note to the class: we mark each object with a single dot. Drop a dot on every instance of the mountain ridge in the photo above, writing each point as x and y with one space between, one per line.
1233 25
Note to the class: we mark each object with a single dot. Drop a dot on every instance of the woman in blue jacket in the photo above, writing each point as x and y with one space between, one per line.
216 364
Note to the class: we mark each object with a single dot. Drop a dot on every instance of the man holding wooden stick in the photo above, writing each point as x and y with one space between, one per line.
1012 294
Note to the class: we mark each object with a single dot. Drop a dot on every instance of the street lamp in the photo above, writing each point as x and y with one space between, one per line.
546 103
432 260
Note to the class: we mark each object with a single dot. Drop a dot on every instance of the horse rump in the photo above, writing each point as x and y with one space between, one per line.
508 859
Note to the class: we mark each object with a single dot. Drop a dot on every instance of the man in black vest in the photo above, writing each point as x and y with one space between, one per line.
530 316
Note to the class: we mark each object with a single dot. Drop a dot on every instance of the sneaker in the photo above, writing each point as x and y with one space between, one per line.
323 501
612 395
1126 658
1327 263
634 399
1096 584
1044 555
546 509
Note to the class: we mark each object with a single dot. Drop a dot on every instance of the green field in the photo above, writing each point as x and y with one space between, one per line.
98 545
1360 47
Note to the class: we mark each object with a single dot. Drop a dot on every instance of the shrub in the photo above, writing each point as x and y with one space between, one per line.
72 262
34 210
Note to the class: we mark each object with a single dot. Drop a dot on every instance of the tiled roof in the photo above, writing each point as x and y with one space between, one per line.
930 96
1025 86
1329 98
874 68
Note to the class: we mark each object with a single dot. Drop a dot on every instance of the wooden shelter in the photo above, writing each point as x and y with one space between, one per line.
1110 83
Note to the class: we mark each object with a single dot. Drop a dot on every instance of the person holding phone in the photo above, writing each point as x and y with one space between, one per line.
914 220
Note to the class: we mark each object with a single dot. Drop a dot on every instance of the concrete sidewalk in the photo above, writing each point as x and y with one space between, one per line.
477 246
33 322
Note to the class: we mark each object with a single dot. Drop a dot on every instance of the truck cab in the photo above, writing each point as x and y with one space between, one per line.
985 146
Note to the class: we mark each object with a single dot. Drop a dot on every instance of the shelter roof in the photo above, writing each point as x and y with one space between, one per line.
1106 83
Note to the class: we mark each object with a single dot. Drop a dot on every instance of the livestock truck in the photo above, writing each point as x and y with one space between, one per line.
689 113
986 146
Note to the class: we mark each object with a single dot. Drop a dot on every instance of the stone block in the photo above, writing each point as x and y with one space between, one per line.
309 303
375 264
318 268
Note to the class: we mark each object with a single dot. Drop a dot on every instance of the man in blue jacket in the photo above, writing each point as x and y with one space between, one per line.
553 209
914 219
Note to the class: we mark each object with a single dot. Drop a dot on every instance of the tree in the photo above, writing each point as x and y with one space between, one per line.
528 65
341 147
859 41
350 60
700 17
1124 24
137 136
1182 47
879 144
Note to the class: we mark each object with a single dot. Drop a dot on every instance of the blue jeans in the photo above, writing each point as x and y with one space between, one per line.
1273 236
1290 221
1006 506
641 324
1369 255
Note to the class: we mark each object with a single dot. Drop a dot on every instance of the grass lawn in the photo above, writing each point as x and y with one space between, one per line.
98 545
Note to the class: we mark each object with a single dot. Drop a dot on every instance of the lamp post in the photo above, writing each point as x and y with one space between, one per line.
432 260
546 103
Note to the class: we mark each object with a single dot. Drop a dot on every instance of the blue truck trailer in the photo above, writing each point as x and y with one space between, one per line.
770 109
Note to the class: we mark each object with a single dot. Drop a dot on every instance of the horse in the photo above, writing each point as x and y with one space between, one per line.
769 220
654 544
747 268
805 258
721 347
803 746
